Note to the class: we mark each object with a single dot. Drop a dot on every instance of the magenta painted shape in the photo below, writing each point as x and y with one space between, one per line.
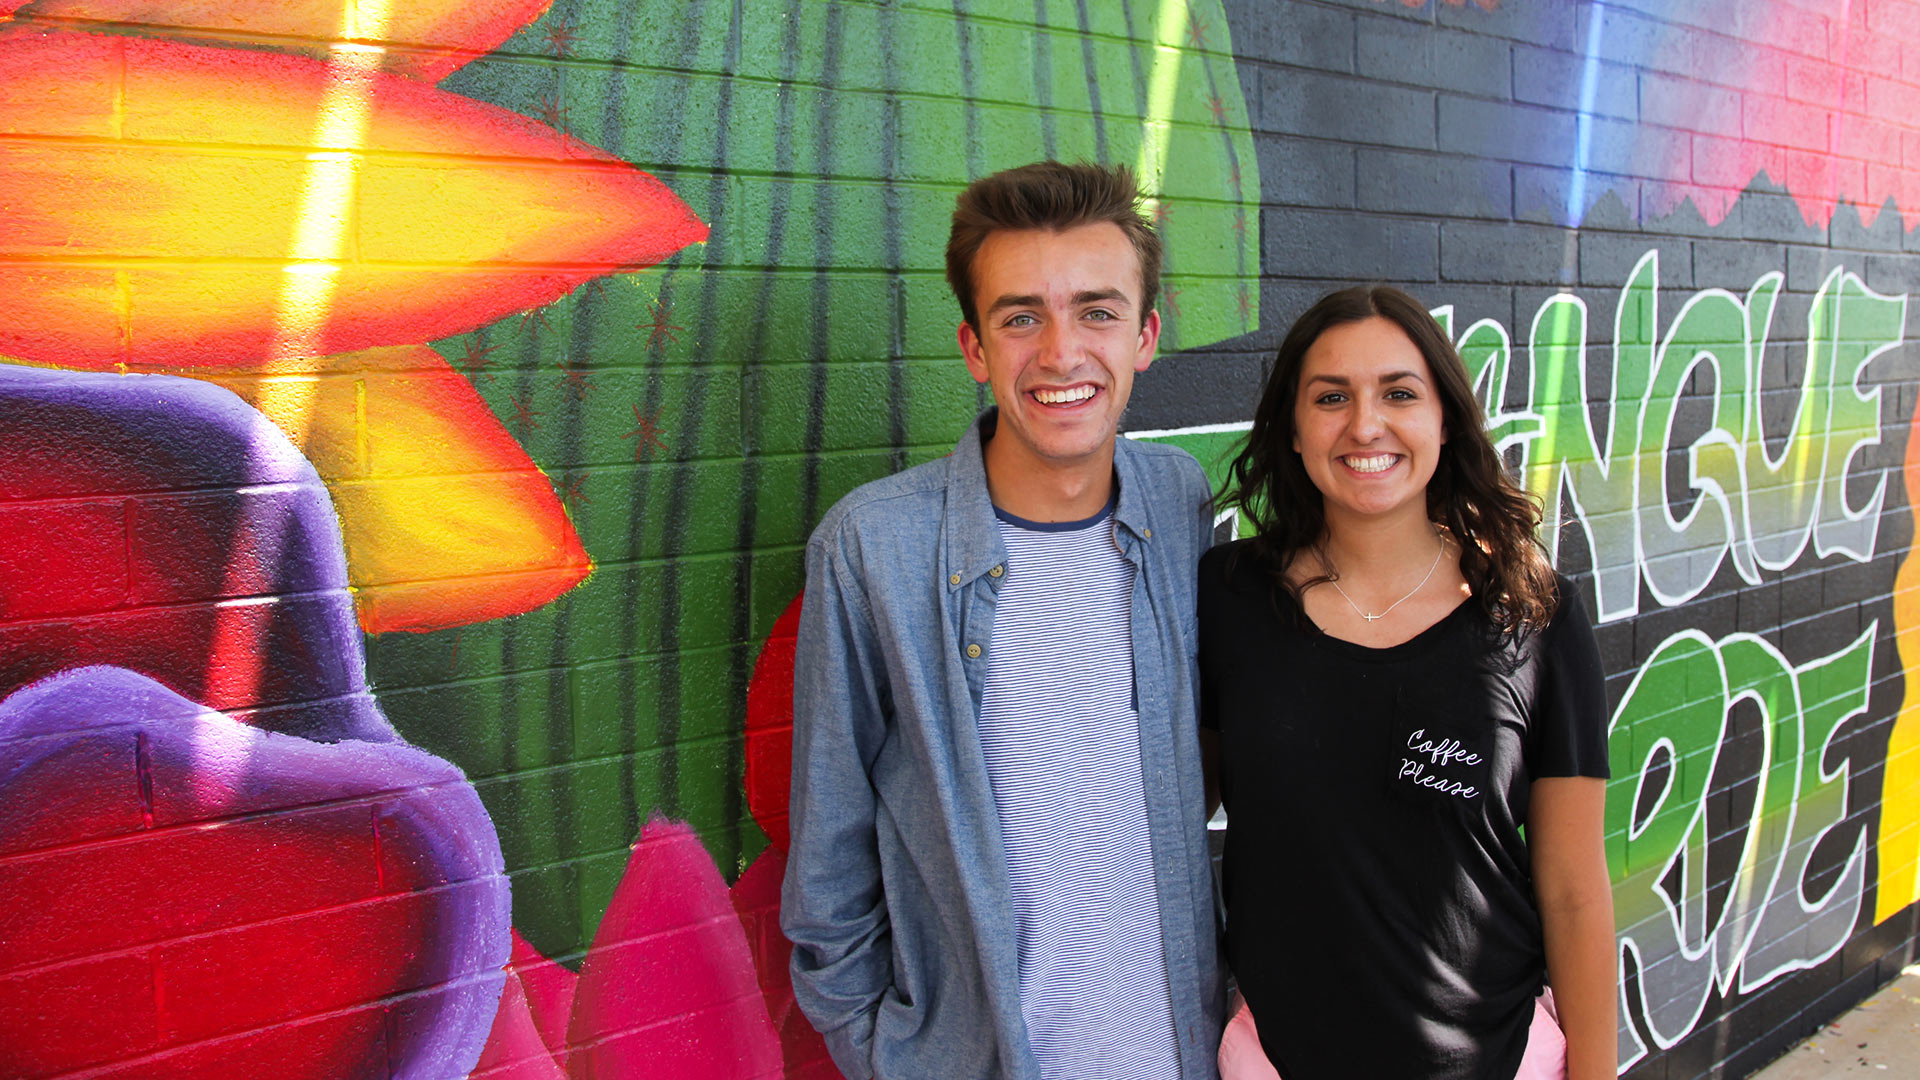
549 990
669 989
756 896
515 1050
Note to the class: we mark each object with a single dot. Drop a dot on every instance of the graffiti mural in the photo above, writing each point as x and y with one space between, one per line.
411 416
345 422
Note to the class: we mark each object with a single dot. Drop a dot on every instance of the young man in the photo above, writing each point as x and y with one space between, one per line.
999 862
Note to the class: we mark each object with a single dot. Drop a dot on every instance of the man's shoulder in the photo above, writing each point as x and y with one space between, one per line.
906 499
1164 462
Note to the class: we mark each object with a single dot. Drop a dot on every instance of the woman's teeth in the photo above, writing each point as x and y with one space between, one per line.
1372 463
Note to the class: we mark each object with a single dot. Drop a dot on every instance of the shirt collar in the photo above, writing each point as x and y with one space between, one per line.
973 534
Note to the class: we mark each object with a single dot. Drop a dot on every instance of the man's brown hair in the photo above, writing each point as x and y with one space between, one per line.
1053 196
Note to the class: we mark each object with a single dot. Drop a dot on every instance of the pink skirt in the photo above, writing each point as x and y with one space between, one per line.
1242 1059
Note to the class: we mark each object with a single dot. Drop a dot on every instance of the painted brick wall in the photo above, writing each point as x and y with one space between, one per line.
411 414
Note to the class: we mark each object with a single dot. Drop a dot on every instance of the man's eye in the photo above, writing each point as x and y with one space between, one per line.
1022 319
1101 313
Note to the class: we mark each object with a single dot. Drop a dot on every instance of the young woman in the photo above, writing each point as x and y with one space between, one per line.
1400 685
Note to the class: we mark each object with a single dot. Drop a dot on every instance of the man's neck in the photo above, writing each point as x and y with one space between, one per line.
1047 491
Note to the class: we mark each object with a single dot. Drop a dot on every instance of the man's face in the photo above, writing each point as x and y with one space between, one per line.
1061 335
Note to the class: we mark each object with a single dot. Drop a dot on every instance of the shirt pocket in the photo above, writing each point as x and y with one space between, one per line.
1437 757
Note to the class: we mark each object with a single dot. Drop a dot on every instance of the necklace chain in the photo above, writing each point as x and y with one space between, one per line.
1335 582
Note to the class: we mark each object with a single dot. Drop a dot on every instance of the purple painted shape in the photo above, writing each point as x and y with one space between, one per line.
211 503
138 758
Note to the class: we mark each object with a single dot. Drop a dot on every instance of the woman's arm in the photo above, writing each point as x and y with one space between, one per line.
1565 837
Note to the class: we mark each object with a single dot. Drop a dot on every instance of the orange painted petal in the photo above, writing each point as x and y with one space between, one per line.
425 38
446 519
129 245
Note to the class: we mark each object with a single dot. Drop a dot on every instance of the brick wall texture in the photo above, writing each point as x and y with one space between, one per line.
411 416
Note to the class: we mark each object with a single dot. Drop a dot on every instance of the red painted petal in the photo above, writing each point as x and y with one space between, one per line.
426 38
769 774
756 896
669 988
453 213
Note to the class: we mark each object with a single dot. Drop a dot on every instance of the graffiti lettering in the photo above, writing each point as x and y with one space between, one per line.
1666 741
1742 499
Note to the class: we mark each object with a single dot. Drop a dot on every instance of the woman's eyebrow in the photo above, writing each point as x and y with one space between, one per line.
1391 376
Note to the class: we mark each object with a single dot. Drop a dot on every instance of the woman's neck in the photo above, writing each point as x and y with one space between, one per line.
1374 546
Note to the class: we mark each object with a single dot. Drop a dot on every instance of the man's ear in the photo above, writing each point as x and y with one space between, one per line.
975 356
1149 340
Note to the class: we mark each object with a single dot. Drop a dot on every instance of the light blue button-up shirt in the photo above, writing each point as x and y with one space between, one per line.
896 894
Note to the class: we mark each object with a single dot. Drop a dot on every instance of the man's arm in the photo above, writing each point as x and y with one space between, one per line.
832 904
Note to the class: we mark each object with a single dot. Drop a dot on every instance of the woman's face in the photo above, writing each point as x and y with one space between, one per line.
1367 422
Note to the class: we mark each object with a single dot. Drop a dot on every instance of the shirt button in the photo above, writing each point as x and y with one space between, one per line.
973 652
1146 534
997 571
953 579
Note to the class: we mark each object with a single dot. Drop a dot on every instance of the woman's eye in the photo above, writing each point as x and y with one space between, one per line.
1400 394
1331 398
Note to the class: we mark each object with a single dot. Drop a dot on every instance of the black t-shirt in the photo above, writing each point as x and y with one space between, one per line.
1380 911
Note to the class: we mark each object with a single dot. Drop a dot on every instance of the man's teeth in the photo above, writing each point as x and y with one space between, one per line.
1062 397
1372 463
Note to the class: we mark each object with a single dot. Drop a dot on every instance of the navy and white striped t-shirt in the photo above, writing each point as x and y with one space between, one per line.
1062 742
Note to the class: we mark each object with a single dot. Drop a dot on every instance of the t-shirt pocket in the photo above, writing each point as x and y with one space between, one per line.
1435 759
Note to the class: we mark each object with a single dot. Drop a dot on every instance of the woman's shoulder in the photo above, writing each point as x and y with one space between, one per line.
1569 610
1234 563
1237 583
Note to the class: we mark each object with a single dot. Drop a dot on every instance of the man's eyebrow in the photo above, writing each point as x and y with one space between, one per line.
1025 300
1085 296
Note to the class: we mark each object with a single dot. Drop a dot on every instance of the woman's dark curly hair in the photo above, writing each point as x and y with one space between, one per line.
1490 516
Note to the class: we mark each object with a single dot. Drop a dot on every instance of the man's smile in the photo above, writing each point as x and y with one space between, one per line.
1070 395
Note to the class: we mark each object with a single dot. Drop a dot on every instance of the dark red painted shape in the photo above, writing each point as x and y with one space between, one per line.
769 772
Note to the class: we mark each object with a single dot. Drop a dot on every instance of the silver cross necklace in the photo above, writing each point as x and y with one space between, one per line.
1335 582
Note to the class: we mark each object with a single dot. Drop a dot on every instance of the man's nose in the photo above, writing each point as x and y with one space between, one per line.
1055 346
